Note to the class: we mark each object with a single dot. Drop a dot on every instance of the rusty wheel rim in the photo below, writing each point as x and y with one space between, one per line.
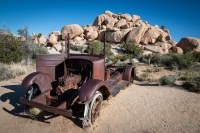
96 109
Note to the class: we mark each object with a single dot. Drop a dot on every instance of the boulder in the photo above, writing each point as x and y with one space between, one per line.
151 35
73 30
154 49
127 17
116 36
42 40
166 36
163 45
91 35
172 42
101 35
110 25
135 18
57 47
136 33
146 52
56 33
53 51
52 39
78 39
110 19
189 43
109 13
120 23
100 19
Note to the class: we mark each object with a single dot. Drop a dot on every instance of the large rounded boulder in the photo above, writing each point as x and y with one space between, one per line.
189 43
73 30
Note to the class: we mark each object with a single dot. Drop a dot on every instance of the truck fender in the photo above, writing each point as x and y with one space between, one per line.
129 73
88 90
41 79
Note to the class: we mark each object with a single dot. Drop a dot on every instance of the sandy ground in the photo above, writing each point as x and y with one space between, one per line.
137 109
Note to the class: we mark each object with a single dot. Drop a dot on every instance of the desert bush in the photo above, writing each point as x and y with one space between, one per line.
11 49
12 70
193 84
132 49
183 61
159 39
167 80
77 48
96 47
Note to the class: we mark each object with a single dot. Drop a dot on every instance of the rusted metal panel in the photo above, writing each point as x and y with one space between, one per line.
129 72
88 90
54 110
51 64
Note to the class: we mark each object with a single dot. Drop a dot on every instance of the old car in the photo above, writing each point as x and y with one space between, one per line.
74 84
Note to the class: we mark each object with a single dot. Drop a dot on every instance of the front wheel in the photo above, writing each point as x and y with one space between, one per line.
33 92
92 110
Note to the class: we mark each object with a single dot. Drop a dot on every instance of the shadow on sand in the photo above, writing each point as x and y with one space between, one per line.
19 109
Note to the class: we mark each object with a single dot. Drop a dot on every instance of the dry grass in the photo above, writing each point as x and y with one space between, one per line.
13 70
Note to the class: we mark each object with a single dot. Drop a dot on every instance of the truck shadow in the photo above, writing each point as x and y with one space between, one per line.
15 92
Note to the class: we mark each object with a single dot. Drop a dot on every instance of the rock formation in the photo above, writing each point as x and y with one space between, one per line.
189 43
119 28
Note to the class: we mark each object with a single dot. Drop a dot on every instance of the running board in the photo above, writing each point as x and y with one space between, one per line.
116 89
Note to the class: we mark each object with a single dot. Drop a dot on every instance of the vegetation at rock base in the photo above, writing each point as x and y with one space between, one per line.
96 47
167 80
132 48
192 84
182 61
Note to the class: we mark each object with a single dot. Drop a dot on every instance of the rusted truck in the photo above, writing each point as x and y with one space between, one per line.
74 84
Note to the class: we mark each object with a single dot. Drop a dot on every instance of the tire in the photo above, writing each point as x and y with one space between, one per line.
92 110
31 93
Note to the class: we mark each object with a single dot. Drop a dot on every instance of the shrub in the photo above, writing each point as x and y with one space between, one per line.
167 80
77 48
40 50
192 84
11 49
183 61
96 47
132 49
12 70
159 39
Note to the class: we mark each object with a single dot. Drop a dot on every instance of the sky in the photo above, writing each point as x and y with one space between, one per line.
180 17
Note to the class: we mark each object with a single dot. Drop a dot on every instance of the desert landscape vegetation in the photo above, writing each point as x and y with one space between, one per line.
164 97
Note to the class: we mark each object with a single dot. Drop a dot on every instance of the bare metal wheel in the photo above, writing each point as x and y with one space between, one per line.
32 92
92 109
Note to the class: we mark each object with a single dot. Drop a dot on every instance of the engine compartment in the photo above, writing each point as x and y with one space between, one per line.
76 73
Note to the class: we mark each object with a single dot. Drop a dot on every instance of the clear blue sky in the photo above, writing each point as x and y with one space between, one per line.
181 17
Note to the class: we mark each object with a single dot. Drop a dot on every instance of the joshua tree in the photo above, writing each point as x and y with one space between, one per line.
38 37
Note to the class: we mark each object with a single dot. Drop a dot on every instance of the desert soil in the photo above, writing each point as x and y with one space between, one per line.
136 109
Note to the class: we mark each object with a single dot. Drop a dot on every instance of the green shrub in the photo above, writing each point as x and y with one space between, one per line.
192 84
159 39
167 80
11 49
96 47
132 49
40 50
183 61
77 48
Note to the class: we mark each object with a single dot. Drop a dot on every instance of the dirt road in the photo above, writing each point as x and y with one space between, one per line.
137 109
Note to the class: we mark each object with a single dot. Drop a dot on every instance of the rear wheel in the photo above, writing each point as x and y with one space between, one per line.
92 110
33 92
